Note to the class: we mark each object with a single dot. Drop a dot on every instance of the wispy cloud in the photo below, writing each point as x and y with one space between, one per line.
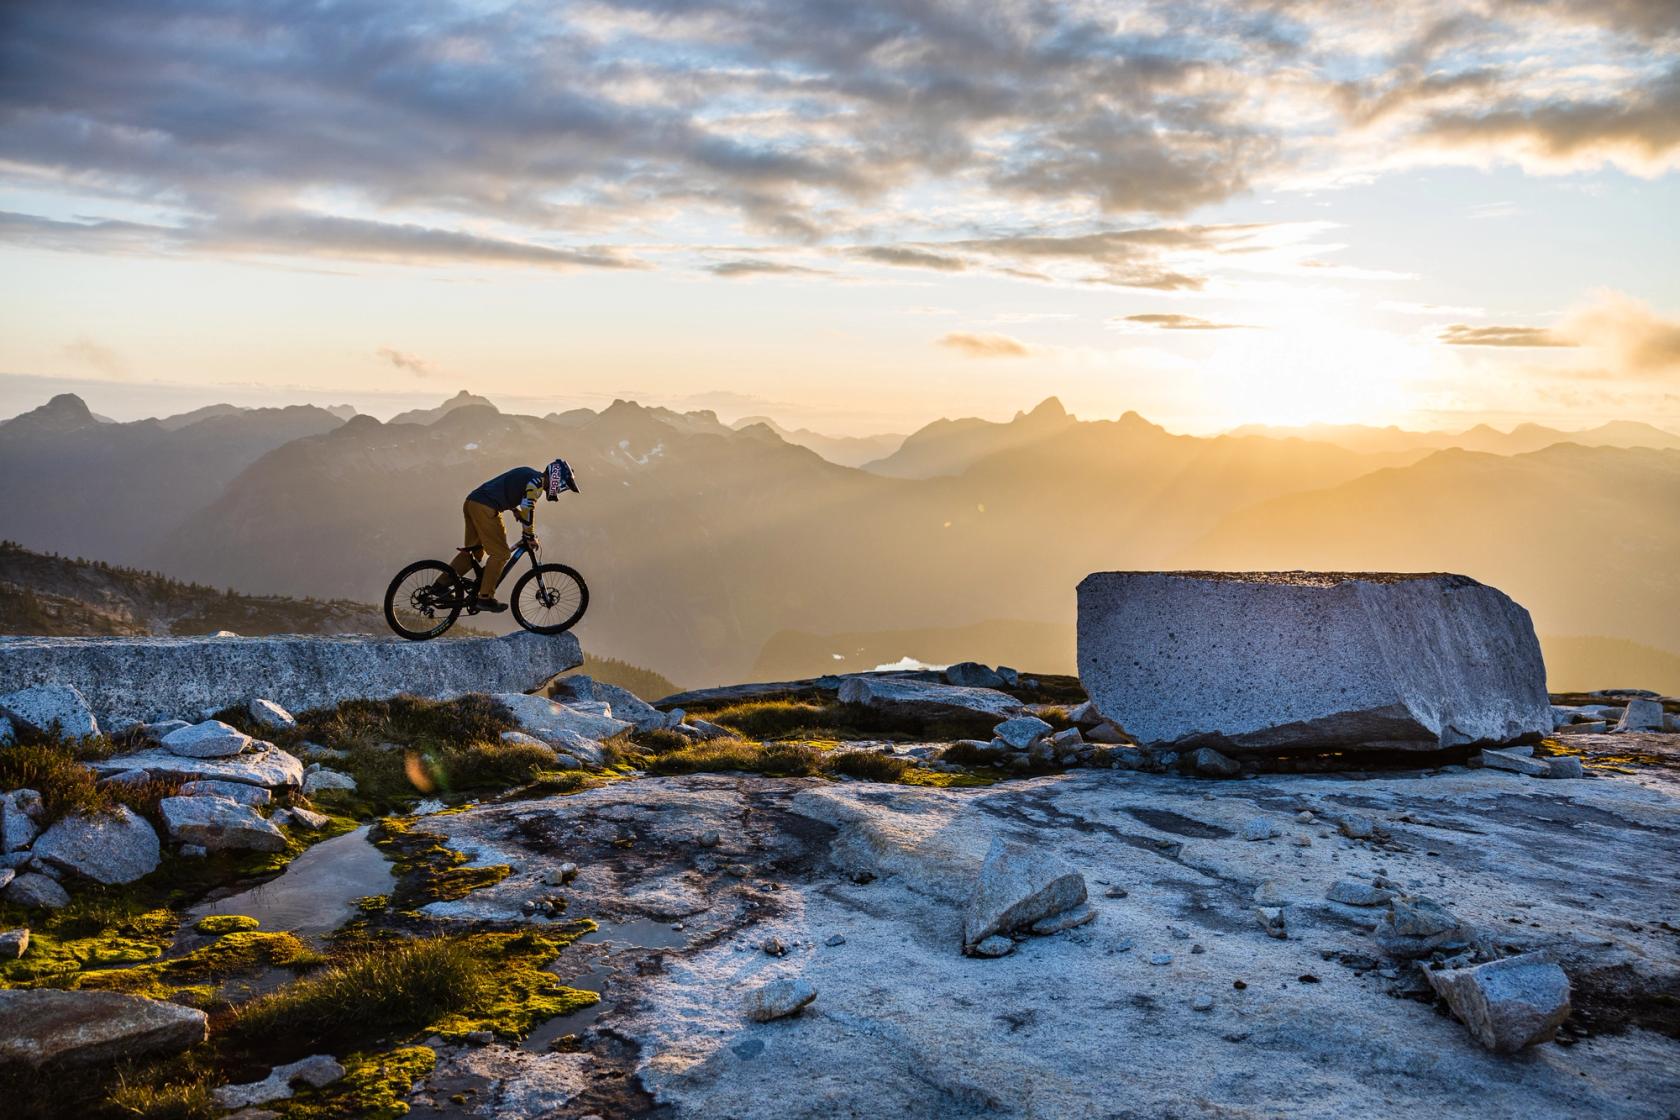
102 358
755 266
1461 334
1172 322
975 345
409 363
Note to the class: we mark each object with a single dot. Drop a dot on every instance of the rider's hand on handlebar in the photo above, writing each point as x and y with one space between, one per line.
529 540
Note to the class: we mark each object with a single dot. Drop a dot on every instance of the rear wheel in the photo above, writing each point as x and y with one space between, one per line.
550 598
424 600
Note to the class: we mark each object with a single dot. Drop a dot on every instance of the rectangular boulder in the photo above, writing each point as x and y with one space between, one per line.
1267 661
146 679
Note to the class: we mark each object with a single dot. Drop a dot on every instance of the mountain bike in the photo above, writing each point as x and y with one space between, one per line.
428 596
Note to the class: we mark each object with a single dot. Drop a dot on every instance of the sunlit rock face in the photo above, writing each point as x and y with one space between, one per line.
130 679
1261 661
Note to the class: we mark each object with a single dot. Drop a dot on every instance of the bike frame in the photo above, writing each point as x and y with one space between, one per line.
519 553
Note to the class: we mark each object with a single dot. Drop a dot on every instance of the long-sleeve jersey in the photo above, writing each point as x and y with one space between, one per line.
514 492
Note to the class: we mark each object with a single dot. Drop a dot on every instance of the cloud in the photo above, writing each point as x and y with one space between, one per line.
906 256
102 358
753 266
301 233
1636 130
984 345
1634 338
1172 322
1461 334
412 363
538 135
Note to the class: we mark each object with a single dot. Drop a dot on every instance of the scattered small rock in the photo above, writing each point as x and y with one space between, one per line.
14 943
1273 921
1067 919
709 838
1515 763
1351 892
1211 764
1016 887
1356 826
835 939
1640 715
996 945
778 999
1507 1005
775 947
45 708
210 739
317 1072
325 779
1564 766
1160 958
1202 1002
1258 828
1417 926
480 1038
1022 732
268 714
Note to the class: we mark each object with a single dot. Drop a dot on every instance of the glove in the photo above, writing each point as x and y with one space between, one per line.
529 540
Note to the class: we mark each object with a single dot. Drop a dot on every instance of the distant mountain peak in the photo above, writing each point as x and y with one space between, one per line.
1050 408
63 413
463 399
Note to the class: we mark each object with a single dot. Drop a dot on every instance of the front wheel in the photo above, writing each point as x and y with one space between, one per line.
550 598
424 600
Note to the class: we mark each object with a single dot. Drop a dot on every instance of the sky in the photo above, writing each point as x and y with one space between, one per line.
856 216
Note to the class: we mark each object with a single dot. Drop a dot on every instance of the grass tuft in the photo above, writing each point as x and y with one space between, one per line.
779 759
870 765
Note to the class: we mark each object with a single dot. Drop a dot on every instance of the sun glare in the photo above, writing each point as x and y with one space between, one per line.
1308 372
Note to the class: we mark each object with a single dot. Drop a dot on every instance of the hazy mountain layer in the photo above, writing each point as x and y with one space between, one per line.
116 491
1586 538
847 451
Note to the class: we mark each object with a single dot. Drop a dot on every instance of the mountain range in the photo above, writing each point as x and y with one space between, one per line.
707 545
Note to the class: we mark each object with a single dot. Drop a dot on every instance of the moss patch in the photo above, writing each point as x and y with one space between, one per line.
373 1087
87 935
217 924
427 869
964 779
186 979
524 993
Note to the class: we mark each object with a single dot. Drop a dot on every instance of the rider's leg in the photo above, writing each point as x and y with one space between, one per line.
462 563
493 538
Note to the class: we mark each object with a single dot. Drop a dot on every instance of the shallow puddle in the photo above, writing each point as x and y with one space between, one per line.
316 893
619 937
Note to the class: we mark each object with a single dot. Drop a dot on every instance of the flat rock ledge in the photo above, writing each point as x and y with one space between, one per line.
1265 661
144 679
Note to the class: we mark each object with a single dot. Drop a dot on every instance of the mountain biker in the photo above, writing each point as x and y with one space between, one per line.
514 492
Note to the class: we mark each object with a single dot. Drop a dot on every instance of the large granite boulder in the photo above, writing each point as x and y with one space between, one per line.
114 847
1259 661
129 679
625 705
561 724
1509 1004
59 1029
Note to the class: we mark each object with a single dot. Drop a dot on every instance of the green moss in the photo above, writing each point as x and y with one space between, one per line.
87 935
229 955
965 779
216 924
428 870
373 1087
523 993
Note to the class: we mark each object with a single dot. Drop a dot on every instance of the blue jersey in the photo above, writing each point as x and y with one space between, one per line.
514 492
